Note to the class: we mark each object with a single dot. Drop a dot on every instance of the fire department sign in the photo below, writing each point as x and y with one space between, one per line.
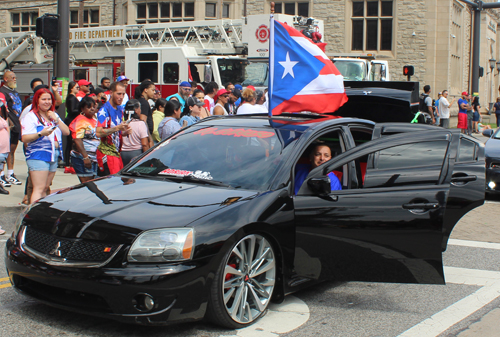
262 33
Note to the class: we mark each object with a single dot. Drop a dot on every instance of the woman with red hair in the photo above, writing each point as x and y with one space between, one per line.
42 132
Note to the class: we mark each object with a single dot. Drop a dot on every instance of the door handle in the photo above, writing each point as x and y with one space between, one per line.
425 206
463 179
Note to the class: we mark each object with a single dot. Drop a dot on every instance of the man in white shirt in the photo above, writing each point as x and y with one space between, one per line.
444 110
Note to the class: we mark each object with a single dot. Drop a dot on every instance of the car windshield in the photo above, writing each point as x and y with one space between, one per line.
496 135
244 72
351 70
241 157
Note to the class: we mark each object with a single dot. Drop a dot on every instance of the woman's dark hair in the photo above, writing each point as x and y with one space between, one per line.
196 91
86 102
210 87
171 106
144 85
159 103
71 85
137 92
475 100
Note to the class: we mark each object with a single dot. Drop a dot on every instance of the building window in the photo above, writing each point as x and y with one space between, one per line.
292 8
91 18
372 25
155 12
24 22
210 10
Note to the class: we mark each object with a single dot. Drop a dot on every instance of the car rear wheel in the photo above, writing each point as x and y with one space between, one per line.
244 283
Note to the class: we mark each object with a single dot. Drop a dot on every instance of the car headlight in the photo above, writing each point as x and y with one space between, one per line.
163 245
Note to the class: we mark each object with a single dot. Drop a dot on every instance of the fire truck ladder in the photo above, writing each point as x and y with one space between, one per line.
221 37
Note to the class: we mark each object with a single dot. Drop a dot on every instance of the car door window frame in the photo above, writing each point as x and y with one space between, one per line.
377 145
344 144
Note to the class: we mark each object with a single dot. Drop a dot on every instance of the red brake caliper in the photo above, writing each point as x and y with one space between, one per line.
228 276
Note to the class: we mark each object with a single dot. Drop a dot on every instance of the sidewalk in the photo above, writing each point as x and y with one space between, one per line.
15 197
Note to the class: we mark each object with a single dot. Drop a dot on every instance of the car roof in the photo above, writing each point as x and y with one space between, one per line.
293 122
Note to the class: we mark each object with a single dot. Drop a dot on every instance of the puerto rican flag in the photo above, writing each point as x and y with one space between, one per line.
302 78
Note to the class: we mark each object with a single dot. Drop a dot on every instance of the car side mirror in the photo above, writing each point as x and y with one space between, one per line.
488 132
321 186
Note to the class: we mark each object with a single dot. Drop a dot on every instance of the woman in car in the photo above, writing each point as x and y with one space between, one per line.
85 141
137 141
321 153
42 132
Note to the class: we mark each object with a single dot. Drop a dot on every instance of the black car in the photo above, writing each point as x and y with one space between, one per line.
492 157
208 223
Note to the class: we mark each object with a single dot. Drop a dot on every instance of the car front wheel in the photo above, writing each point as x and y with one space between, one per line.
244 283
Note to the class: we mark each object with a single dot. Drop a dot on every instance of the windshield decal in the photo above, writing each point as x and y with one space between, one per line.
247 133
182 173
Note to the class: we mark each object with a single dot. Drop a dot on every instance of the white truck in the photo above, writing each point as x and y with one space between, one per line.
167 53
361 67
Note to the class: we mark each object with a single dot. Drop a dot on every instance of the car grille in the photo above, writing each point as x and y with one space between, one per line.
69 249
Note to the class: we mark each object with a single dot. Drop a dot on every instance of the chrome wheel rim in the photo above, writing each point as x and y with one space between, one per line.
249 278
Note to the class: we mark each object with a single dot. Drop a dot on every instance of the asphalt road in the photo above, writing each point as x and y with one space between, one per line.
467 306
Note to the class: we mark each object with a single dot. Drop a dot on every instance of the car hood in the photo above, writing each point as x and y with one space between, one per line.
492 148
115 209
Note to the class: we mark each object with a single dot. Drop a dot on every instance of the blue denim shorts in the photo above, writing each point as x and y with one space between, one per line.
79 166
475 116
40 165
3 157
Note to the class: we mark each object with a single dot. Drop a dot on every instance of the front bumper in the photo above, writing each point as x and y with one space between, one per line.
180 291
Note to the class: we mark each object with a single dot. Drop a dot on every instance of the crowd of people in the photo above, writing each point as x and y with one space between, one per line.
469 116
103 127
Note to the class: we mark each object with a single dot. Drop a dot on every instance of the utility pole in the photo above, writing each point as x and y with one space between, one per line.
477 6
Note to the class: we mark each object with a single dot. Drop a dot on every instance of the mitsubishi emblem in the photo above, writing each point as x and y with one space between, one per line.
56 250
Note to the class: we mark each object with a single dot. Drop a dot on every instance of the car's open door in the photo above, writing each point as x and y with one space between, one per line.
466 179
386 224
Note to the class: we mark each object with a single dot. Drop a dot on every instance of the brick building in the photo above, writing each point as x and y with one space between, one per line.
432 35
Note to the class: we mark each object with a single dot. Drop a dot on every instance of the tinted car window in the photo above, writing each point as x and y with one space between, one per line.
466 150
413 155
245 158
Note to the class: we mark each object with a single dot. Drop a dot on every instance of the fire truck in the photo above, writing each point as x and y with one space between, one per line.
166 53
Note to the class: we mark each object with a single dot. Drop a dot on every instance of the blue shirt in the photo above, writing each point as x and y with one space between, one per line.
302 170
190 119
167 127
107 118
460 110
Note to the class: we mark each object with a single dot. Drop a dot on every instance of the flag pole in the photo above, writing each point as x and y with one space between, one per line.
271 61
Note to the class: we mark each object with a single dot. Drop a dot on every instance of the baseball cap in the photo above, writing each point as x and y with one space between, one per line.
251 87
238 86
131 103
185 84
122 78
465 93
236 93
83 82
97 91
3 101
192 101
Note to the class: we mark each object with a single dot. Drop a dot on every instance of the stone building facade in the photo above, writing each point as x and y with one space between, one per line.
432 35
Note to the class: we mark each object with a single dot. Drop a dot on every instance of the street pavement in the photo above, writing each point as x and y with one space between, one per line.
330 309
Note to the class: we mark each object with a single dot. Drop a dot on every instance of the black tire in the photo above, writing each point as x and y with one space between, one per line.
244 283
